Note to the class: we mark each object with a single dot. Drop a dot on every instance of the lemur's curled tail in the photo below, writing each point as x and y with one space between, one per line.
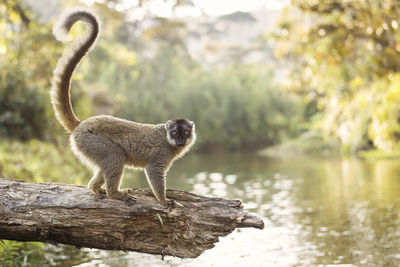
60 95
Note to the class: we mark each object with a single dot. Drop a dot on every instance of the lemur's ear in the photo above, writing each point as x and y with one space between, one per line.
191 124
168 124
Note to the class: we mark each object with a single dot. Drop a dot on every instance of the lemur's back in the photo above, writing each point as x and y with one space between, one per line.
140 141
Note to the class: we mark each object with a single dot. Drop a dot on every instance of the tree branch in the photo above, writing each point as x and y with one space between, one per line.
73 215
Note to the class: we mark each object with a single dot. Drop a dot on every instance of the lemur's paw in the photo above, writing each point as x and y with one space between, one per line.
119 194
100 193
171 203
98 190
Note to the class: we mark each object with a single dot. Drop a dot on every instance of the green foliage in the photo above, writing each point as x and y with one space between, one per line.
29 53
311 142
38 161
150 79
376 154
346 55
14 253
234 106
384 129
23 111
9 254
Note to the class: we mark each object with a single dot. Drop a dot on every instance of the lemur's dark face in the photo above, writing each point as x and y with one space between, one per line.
180 132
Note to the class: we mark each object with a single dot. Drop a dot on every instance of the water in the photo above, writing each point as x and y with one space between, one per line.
317 212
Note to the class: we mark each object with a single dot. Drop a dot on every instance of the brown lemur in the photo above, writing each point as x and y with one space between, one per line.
107 144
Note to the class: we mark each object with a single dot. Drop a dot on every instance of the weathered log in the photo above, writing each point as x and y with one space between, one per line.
73 215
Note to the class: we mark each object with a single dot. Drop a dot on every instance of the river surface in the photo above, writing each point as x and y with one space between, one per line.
317 212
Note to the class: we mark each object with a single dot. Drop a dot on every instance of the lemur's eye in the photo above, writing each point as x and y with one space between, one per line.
173 134
186 133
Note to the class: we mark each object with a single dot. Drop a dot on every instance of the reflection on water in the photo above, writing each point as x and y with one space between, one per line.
317 212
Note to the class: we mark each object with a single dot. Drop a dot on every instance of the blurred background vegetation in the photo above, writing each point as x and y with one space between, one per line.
314 77
345 61
140 70
325 73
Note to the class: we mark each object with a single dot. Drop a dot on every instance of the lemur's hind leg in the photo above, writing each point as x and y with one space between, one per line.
108 157
112 176
96 182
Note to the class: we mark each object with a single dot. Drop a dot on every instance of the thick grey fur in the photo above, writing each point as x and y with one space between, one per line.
105 143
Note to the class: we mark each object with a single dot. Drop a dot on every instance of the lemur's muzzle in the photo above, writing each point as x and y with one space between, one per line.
180 142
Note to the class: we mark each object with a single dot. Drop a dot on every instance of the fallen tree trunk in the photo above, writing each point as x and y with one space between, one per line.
73 215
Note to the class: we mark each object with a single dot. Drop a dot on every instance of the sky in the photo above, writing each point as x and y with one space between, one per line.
210 7
219 7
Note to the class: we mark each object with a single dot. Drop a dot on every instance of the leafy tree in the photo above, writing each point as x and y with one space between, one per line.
342 51
22 109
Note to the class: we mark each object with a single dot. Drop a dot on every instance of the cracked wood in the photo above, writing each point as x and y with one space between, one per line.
73 215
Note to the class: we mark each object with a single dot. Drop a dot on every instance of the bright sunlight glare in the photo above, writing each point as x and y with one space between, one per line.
209 7
219 7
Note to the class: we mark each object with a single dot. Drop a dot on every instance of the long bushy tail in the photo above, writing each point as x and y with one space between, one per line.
60 91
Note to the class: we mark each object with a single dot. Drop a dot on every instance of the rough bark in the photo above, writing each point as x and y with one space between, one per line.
73 215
